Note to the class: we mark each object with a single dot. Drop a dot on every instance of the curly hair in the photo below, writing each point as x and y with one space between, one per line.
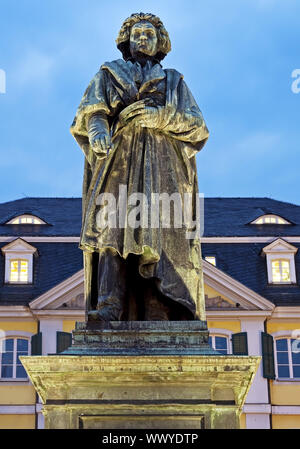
164 43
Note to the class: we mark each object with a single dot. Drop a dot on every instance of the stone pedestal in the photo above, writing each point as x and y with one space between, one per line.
141 375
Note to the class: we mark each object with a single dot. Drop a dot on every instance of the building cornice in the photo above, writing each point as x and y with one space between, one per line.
226 315
16 313
75 239
74 314
254 239
292 313
41 239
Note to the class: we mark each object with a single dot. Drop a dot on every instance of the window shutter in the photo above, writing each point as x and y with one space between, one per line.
239 343
63 341
36 344
268 356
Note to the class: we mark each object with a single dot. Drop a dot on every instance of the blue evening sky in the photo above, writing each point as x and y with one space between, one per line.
237 57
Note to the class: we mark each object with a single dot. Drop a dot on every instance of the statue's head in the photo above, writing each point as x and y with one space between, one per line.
143 33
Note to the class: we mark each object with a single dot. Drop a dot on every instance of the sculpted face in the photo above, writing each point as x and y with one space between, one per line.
143 39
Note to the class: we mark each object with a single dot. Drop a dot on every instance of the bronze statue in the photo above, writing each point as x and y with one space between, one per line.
140 128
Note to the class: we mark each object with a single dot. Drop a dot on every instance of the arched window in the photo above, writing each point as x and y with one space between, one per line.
270 219
26 219
287 358
220 343
10 365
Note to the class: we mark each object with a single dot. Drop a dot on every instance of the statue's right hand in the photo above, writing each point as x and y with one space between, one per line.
101 143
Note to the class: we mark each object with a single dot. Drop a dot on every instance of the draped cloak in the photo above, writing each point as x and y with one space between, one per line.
146 160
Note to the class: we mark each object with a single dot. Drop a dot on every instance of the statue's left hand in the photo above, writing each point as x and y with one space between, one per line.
141 113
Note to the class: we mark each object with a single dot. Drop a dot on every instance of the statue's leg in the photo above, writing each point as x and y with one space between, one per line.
158 307
155 308
88 269
111 286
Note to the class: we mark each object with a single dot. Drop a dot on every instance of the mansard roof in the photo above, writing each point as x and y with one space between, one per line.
233 216
222 217
62 217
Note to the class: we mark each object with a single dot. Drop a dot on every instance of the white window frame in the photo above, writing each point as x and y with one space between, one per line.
279 256
281 250
222 333
32 217
276 217
280 270
12 335
287 337
19 256
18 250
19 280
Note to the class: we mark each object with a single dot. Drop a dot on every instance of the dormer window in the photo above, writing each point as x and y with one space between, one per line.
18 262
26 219
270 219
280 257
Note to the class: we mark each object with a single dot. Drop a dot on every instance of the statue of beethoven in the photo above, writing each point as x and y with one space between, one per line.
140 127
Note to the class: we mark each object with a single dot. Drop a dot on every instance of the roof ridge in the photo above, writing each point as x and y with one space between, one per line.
44 198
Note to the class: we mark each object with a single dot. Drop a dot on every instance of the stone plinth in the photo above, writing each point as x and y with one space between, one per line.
141 338
159 381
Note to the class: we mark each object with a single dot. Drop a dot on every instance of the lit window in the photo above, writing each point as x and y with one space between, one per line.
18 261
26 219
281 270
219 343
18 270
211 259
287 355
11 349
270 219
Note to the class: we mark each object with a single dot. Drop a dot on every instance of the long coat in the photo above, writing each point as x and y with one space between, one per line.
145 160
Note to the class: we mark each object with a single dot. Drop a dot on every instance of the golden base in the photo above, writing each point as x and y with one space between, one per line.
141 392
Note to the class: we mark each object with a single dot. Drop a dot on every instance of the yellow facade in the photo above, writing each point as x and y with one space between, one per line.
276 326
233 326
68 325
285 393
14 394
20 326
286 422
17 421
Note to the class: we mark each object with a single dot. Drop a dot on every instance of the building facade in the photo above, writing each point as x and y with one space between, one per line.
251 271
